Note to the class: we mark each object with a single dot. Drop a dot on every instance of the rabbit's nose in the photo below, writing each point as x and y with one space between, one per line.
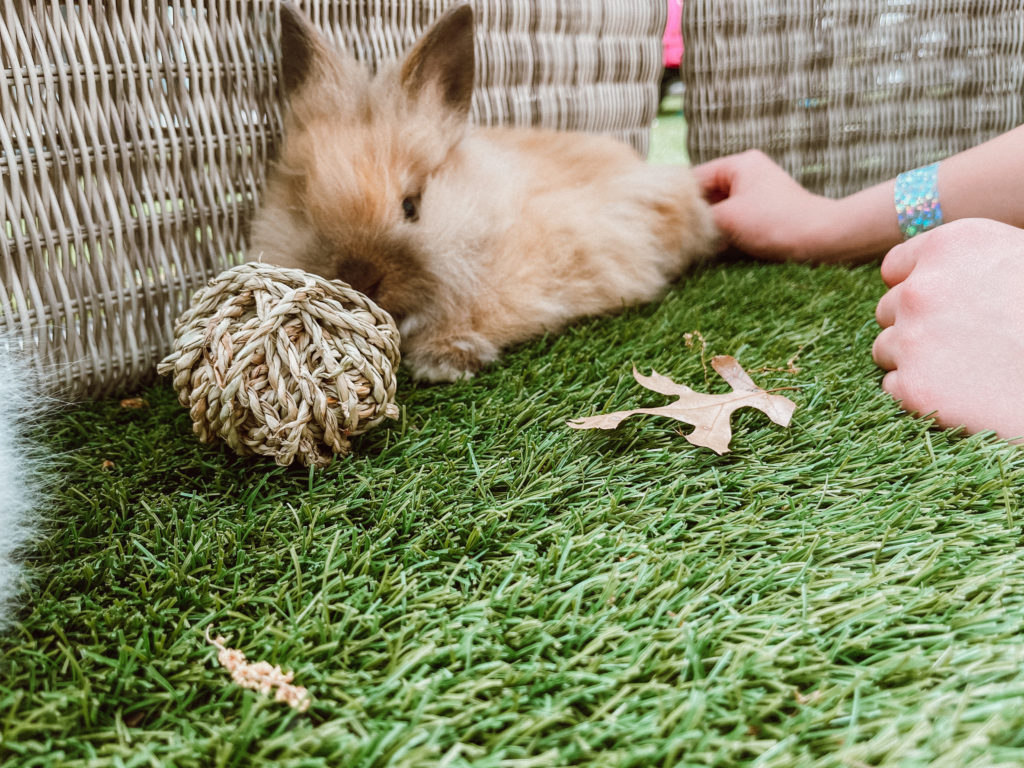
363 275
372 291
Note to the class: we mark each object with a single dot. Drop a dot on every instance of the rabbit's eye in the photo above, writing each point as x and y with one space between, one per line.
411 209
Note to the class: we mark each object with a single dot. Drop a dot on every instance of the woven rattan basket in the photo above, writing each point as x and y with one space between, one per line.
847 93
134 139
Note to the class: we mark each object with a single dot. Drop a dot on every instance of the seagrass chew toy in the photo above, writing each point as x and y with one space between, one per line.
282 363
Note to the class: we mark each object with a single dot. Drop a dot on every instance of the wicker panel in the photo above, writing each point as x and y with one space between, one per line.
134 138
847 93
586 65
593 68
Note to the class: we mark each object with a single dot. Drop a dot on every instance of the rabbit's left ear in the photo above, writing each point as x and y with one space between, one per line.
442 61
306 56
301 46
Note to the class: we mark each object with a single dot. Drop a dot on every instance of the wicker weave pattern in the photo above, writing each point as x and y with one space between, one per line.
849 93
134 139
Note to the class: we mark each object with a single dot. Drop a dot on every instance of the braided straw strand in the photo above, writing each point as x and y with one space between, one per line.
282 363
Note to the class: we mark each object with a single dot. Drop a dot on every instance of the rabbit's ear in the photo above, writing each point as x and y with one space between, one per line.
442 61
305 54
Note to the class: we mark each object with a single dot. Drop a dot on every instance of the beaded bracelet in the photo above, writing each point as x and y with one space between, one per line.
916 196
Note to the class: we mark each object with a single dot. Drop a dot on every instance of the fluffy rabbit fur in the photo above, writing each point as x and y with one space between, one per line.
472 238
20 473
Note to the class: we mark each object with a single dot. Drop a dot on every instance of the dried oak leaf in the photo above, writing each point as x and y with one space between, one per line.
709 414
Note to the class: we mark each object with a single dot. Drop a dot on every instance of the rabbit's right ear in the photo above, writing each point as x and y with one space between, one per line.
305 55
442 61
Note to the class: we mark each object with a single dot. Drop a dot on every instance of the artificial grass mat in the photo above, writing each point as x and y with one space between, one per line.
479 585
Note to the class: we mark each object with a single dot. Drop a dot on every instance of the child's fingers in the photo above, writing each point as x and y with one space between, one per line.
715 178
885 312
900 261
885 350
891 383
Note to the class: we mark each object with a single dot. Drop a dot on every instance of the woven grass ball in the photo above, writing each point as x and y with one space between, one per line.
278 362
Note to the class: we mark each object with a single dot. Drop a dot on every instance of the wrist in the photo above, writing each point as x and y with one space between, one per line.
856 229
830 237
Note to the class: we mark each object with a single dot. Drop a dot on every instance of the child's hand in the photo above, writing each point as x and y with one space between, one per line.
952 322
762 211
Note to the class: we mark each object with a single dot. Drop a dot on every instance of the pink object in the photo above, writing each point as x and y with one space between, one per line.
672 42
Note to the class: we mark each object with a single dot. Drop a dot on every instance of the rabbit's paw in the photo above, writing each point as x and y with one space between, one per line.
450 358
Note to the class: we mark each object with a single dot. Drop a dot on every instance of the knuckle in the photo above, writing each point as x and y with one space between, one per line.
876 349
883 311
886 348
923 290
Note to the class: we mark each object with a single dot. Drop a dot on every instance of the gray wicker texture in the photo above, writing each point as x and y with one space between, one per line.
134 139
848 93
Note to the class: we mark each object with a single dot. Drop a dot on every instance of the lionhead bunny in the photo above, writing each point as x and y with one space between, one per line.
472 238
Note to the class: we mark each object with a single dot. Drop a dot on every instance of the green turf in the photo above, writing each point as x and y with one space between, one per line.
481 586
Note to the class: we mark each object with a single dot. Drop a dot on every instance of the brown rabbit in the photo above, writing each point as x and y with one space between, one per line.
472 238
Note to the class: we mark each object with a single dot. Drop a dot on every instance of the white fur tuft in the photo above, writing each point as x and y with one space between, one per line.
18 475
